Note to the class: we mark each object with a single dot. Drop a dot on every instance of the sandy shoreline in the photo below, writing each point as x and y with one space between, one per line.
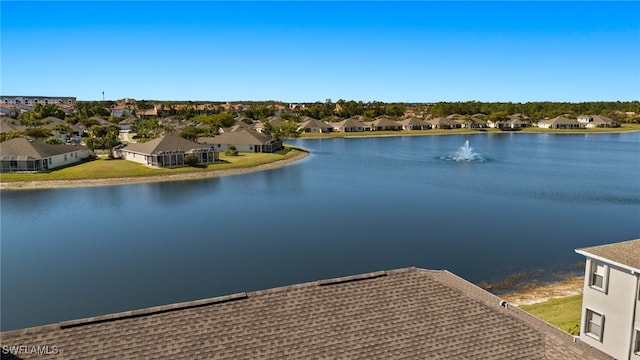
546 292
50 184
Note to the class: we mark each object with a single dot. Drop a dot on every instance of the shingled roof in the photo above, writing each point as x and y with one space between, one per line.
35 149
626 253
242 136
408 313
166 143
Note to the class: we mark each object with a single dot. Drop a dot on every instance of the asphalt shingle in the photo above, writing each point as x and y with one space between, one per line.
626 253
407 313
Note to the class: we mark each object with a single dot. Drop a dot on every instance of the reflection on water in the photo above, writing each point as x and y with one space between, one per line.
352 206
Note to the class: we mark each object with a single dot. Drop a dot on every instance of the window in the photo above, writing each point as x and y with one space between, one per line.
636 347
599 276
594 325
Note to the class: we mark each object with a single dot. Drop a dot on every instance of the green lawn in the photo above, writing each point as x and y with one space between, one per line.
104 168
563 313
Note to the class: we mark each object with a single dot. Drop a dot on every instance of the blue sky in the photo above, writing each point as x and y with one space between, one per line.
311 51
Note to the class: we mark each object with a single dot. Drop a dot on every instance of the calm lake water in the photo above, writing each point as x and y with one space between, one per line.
352 206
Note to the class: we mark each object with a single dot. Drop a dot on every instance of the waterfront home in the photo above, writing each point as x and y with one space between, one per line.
406 313
352 124
244 140
311 125
168 150
382 123
443 123
513 123
592 121
559 122
413 123
611 299
24 155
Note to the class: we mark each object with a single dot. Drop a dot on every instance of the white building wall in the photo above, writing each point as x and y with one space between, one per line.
617 306
636 325
37 99
135 157
68 158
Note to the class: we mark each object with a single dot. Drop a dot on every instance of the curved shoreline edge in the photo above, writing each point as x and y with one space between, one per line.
54 184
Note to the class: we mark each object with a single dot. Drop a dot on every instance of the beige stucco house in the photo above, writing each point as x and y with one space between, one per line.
24 155
611 299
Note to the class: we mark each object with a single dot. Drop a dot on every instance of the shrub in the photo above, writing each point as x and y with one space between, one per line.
191 160
231 151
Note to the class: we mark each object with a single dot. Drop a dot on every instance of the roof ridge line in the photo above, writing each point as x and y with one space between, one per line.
351 278
152 310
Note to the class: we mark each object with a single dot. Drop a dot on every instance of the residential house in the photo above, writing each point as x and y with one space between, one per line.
119 110
243 140
8 124
406 313
126 124
352 124
239 125
311 125
611 299
383 123
514 122
147 113
443 123
168 150
413 123
275 120
559 122
592 121
24 155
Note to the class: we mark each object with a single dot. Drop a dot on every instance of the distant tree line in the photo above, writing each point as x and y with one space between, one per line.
207 120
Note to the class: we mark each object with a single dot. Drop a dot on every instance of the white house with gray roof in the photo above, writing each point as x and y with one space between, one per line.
167 151
244 140
611 299
24 155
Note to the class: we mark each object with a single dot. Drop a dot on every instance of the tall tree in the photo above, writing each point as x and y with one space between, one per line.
103 138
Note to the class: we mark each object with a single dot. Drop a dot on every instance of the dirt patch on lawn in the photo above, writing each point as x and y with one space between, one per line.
568 287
